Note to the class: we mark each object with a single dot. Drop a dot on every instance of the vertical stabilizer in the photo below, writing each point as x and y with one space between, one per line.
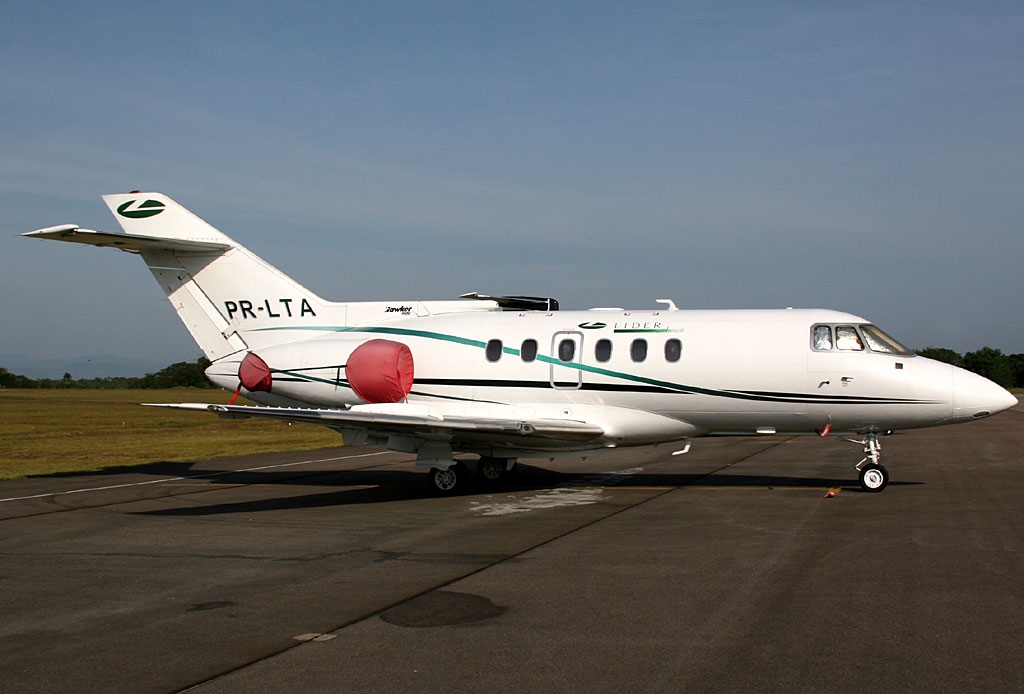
229 299
156 215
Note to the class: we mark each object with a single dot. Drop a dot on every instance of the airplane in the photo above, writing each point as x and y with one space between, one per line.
513 377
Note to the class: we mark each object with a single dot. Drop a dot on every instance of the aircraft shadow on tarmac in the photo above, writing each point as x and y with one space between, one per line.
383 486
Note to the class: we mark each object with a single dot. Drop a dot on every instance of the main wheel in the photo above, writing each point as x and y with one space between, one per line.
445 480
491 469
873 477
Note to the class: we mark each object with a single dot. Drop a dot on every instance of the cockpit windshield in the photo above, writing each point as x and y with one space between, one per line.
878 341
848 338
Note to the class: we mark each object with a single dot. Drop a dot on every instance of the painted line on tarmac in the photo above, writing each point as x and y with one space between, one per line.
203 475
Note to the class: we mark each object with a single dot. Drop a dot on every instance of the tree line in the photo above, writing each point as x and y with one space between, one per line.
182 374
1005 369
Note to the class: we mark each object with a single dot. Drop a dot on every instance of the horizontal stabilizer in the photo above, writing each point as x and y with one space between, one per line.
132 243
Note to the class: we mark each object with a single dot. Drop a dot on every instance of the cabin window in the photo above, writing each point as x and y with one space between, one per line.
673 350
638 350
847 338
822 337
603 350
493 350
528 351
566 350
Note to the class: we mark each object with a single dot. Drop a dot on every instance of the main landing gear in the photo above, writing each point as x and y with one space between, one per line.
448 480
453 479
491 470
873 475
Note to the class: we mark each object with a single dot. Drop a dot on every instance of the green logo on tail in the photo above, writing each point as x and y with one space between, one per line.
149 208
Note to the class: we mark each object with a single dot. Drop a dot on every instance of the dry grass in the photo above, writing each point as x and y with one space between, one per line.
60 431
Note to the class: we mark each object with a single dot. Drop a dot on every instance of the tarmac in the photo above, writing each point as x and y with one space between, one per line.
729 569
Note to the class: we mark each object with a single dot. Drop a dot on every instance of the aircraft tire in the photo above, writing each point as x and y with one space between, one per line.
873 478
448 480
491 470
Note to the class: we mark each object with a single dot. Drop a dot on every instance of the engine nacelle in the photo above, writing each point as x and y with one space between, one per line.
331 372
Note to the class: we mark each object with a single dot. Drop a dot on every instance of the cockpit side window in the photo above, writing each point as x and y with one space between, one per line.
822 337
848 339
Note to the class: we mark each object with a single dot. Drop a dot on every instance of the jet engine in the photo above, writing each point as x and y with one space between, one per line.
332 373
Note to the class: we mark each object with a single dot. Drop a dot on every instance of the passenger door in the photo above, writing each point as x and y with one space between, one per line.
566 356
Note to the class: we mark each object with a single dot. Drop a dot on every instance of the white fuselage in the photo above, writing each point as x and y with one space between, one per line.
725 371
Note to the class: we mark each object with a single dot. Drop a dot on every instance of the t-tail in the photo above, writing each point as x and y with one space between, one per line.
229 299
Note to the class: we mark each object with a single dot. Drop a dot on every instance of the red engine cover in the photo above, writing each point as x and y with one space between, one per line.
254 374
380 371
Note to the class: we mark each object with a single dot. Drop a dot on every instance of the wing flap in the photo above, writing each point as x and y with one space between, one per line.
421 422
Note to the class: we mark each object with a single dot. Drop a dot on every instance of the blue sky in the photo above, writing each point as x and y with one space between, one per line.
867 157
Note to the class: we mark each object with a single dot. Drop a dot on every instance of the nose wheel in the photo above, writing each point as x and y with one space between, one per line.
873 475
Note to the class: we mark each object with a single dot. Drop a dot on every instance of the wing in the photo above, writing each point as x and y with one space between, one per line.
461 432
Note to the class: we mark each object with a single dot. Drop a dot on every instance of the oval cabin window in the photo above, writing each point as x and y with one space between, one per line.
566 350
673 350
638 350
493 350
528 350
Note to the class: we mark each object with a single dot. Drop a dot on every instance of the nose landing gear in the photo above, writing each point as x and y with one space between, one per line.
873 475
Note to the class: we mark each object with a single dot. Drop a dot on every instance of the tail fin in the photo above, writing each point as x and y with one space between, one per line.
227 297
155 215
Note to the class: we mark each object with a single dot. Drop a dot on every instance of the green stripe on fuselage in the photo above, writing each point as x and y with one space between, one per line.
634 378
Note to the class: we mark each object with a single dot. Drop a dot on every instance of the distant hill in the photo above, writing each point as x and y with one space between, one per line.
80 366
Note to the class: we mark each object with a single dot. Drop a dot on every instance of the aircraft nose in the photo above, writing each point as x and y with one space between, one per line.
975 397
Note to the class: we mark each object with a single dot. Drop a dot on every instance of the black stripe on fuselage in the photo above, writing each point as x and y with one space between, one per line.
545 385
759 396
751 396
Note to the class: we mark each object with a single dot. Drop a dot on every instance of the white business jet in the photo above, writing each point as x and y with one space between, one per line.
514 377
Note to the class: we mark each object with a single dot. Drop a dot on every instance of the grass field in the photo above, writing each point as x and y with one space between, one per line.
45 432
